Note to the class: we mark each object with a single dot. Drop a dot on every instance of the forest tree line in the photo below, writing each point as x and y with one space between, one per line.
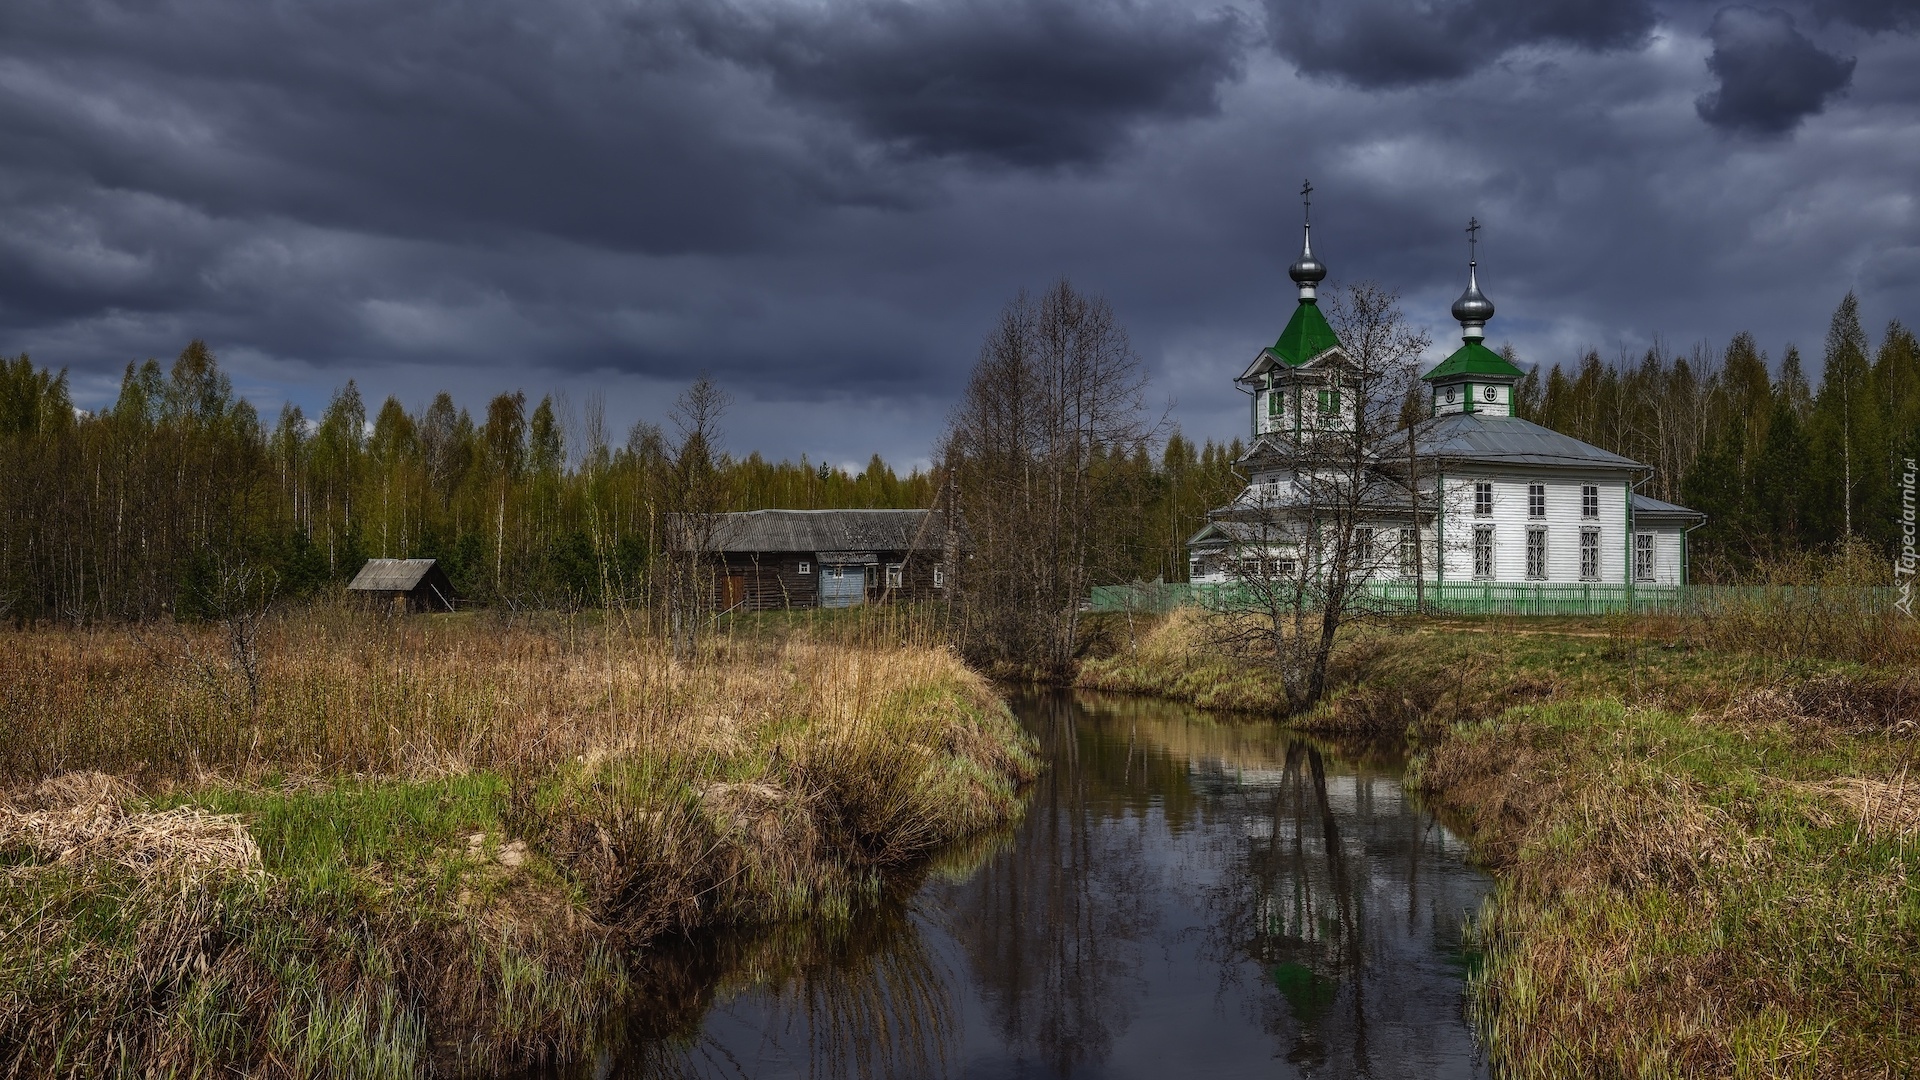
1778 464
160 501
164 500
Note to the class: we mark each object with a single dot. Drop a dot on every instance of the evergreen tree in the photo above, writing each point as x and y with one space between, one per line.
1847 441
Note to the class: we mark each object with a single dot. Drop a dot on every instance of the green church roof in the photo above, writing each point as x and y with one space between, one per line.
1473 358
1307 335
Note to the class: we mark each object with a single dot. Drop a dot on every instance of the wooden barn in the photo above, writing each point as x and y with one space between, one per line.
828 558
404 585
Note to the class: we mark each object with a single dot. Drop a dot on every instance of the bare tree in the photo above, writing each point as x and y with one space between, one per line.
1322 520
1055 398
696 497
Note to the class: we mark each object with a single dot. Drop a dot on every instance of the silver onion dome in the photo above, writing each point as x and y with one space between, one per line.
1473 309
1307 270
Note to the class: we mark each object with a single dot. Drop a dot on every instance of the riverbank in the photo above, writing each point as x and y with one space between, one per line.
1706 856
369 846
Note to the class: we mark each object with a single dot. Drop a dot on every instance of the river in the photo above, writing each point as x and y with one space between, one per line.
1186 896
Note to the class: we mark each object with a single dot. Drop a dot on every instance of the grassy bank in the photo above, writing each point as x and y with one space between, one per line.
1705 840
371 847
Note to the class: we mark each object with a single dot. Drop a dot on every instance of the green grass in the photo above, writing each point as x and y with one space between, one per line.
1689 880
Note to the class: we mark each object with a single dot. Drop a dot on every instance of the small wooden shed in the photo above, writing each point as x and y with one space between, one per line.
404 584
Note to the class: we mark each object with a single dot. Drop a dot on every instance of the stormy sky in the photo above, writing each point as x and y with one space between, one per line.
823 204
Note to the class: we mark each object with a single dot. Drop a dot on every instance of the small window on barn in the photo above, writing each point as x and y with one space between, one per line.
940 575
806 567
894 575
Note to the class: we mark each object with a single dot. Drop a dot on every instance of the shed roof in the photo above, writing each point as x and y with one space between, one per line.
1509 440
391 575
829 530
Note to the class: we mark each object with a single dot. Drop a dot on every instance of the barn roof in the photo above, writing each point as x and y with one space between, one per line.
829 530
391 575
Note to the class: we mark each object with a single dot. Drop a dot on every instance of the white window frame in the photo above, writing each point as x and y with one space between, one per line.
805 567
1363 547
940 574
1536 500
1483 498
1483 561
1589 554
836 572
1406 552
1590 501
1536 553
896 575
1645 550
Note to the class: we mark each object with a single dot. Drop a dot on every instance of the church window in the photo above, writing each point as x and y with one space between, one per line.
1589 554
1643 556
1483 552
1536 500
1537 553
1483 499
1276 403
1590 501
1407 568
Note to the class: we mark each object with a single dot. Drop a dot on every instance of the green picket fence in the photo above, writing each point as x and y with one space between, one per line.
1502 598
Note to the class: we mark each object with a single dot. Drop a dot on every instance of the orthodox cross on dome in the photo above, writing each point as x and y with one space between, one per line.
1473 309
1307 271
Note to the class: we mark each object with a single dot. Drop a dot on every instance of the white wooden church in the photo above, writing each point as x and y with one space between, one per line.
1499 501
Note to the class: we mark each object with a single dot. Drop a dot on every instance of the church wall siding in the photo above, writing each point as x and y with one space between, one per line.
1510 521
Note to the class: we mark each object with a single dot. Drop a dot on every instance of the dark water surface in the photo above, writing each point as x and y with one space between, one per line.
1187 896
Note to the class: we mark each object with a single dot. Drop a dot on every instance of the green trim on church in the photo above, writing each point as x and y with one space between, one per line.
1307 335
1473 358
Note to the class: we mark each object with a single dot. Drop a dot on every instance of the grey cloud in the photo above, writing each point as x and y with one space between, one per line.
1009 82
1391 43
1875 15
1771 75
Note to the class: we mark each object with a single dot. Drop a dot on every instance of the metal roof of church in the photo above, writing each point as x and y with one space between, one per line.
1307 335
1473 358
1645 505
1509 440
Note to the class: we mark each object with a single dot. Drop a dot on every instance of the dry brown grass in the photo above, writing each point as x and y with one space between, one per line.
335 914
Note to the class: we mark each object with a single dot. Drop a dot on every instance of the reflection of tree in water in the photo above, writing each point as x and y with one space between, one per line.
1296 911
1053 936
867 999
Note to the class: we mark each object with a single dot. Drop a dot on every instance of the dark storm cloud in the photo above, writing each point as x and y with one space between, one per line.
824 202
428 119
1388 43
1015 82
1771 75
1871 14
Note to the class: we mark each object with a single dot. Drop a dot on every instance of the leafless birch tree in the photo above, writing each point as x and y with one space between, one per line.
1056 395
